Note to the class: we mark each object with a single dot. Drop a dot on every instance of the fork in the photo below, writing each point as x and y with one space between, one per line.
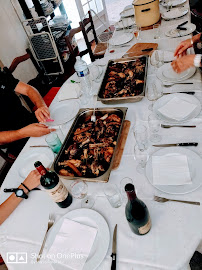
50 224
163 200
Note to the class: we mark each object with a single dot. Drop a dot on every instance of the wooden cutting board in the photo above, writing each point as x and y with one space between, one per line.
136 50
121 144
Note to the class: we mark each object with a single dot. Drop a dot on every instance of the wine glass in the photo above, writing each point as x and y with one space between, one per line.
154 92
123 183
141 136
137 32
157 59
141 157
79 190
154 126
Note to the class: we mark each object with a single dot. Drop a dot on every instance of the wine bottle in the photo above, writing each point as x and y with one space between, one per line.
54 186
136 212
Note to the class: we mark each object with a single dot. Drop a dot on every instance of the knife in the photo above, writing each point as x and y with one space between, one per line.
113 267
176 144
170 126
189 93
180 25
147 50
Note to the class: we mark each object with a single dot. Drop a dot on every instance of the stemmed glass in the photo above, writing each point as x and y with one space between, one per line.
157 59
137 32
79 190
154 92
141 157
154 126
141 136
123 183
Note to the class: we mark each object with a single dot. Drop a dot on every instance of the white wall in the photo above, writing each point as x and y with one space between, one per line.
13 40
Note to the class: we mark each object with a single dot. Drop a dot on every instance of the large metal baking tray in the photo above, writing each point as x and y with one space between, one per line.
118 100
80 117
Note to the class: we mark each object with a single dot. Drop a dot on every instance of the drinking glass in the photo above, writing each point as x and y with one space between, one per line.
154 126
141 157
137 32
157 59
113 195
123 183
140 133
156 28
154 92
79 190
53 142
125 24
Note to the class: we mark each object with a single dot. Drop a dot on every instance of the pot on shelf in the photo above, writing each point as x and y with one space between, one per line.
147 12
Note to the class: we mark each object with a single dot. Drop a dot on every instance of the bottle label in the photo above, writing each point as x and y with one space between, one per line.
83 73
59 193
144 229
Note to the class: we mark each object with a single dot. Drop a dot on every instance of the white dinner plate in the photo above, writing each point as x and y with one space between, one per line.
64 111
170 74
174 33
127 13
121 39
165 99
163 69
100 246
195 166
25 162
174 3
174 13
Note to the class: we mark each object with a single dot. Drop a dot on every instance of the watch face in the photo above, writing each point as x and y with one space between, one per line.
19 193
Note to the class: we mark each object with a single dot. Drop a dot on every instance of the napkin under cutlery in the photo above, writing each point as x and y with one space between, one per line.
75 240
69 91
177 109
171 169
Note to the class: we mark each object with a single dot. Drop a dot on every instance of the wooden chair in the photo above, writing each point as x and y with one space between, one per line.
100 48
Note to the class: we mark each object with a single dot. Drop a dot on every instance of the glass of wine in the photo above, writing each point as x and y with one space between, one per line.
79 190
141 157
154 126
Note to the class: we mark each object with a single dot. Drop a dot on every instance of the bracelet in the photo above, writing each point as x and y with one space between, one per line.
25 187
197 60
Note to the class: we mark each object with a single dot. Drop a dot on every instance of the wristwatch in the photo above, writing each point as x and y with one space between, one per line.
18 192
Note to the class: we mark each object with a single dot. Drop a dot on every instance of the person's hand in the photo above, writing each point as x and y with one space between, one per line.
181 64
42 113
181 49
32 180
35 130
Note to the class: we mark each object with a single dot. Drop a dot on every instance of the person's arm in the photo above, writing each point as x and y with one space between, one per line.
183 63
184 45
42 113
7 207
32 130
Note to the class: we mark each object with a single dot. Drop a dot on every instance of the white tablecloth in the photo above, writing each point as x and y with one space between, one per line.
176 228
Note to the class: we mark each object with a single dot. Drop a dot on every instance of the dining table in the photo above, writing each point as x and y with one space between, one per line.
176 230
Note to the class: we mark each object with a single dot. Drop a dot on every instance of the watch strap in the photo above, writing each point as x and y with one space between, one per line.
25 187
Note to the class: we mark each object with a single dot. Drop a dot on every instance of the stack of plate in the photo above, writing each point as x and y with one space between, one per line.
173 3
174 32
128 12
125 23
167 74
119 40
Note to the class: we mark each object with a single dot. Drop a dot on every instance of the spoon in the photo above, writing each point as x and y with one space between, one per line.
93 117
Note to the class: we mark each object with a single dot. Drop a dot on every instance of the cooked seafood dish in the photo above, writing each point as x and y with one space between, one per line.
124 79
91 146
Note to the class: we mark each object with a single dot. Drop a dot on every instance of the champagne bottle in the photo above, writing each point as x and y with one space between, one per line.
54 186
136 212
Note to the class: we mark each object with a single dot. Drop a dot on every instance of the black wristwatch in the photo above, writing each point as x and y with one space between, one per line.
18 192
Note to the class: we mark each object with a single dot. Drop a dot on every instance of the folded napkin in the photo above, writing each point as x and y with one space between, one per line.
177 109
28 166
74 240
69 91
171 169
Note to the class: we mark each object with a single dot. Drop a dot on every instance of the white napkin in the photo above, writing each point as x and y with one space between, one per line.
177 109
69 91
75 240
171 169
29 166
